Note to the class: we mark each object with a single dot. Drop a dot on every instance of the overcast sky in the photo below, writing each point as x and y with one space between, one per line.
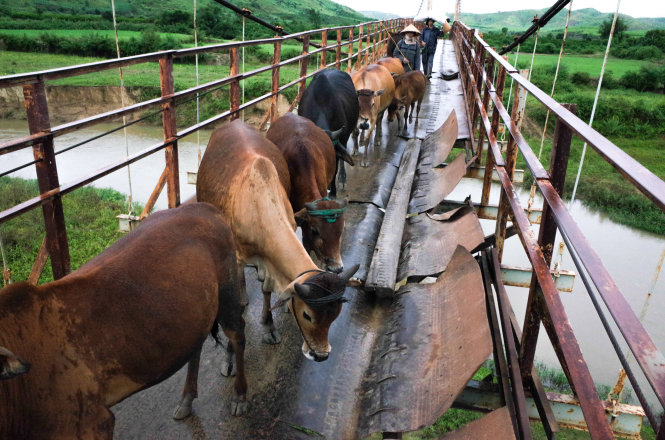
405 8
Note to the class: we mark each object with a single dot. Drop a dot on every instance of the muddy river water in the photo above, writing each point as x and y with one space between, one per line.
630 255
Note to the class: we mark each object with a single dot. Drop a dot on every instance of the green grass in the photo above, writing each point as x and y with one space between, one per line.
590 64
89 217
80 33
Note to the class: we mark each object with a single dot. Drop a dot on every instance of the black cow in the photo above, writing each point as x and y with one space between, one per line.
392 43
330 101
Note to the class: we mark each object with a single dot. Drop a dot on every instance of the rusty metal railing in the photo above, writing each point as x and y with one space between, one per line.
478 62
374 35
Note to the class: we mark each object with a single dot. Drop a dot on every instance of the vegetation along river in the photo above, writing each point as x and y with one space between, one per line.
630 255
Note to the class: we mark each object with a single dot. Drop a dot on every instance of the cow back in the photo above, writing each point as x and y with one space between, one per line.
309 154
330 102
411 85
394 65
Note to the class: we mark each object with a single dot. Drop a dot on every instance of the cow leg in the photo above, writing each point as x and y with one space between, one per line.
190 392
379 125
242 286
96 422
342 175
418 108
270 333
237 343
356 133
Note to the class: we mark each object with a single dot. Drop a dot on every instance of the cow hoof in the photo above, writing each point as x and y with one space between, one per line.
183 410
238 407
272 337
228 368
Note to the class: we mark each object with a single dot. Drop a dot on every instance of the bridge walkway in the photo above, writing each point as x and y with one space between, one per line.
396 364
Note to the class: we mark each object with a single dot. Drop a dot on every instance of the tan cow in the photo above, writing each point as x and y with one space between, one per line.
375 88
310 157
245 176
126 320
409 90
394 65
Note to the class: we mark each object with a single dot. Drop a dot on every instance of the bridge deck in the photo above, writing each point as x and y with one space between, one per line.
394 366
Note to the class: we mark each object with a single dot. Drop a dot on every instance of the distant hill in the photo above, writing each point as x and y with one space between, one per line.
280 12
589 18
379 15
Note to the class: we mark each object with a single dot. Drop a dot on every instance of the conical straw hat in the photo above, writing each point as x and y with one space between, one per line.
411 28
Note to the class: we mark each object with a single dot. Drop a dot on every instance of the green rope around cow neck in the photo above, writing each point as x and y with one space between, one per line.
329 215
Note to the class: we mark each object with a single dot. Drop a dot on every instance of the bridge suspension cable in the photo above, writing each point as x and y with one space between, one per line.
124 104
595 101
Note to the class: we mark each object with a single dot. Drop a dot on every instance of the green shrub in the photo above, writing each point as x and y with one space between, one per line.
581 78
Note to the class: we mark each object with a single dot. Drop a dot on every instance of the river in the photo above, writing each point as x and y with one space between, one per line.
629 255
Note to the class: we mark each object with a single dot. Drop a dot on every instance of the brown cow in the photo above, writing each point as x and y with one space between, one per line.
126 320
409 89
394 65
310 156
375 88
245 176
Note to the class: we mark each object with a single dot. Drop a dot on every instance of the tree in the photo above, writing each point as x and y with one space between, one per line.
619 28
504 30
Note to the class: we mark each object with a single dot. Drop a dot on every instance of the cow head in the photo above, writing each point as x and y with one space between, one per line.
367 110
322 223
11 365
396 108
315 304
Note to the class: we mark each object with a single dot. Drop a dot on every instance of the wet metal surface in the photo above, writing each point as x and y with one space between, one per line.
432 185
383 270
291 397
434 339
429 244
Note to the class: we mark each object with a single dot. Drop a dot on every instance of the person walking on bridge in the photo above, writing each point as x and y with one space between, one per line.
408 48
429 40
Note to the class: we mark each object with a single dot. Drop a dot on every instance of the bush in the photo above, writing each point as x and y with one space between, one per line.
580 78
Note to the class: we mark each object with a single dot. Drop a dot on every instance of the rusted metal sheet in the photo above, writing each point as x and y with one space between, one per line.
495 425
382 273
429 241
431 186
434 339
439 144
375 181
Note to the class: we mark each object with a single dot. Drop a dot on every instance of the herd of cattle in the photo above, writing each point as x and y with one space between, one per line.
139 311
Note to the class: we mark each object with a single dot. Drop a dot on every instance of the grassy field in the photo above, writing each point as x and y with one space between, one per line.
590 64
81 33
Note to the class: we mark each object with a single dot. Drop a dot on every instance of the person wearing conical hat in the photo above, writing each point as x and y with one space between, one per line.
408 48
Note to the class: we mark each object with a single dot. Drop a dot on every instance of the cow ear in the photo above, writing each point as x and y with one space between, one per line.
379 92
301 216
283 298
11 365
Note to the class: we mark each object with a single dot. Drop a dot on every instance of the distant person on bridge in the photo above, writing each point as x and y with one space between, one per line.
408 48
428 41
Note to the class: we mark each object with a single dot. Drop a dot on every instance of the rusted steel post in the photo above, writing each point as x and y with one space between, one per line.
170 131
350 51
478 74
368 35
338 50
511 159
47 178
304 64
277 54
234 87
324 52
546 236
374 48
360 47
489 163
489 69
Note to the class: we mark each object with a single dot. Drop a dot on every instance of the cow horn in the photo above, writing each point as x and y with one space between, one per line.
379 92
343 203
348 273
335 134
310 206
301 216
302 290
284 297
